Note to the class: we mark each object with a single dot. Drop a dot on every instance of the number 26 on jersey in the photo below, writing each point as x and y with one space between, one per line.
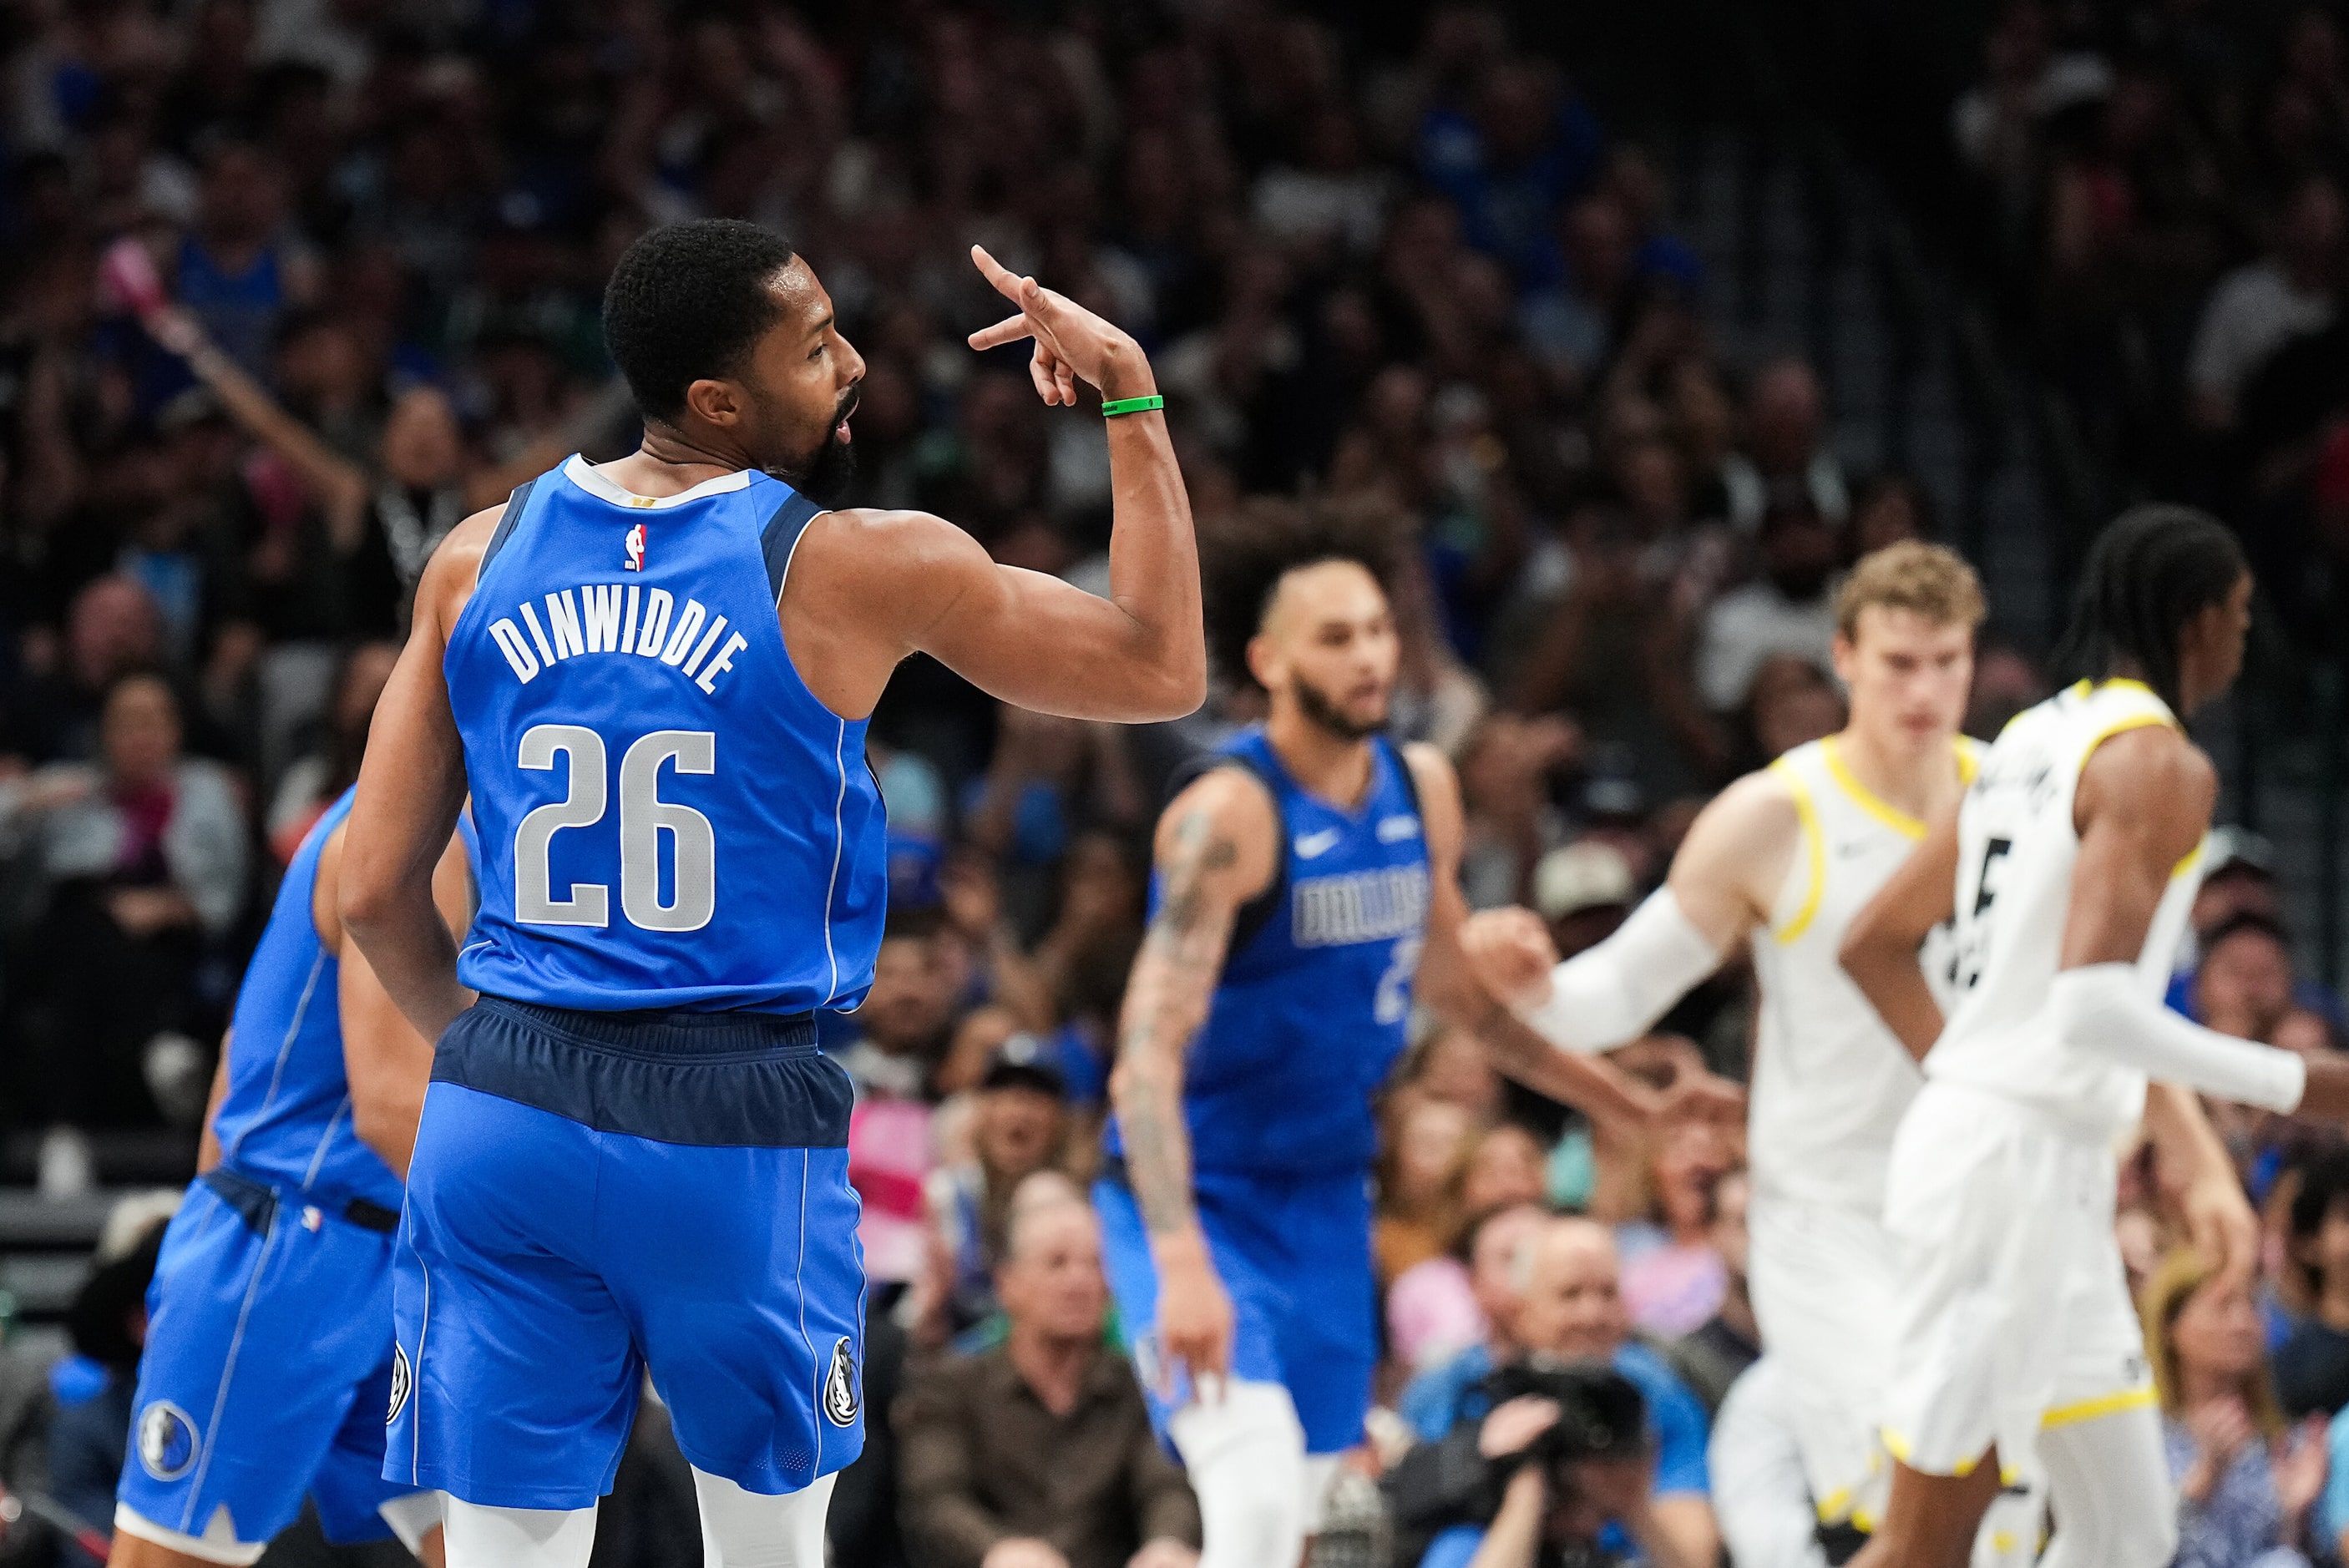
644 817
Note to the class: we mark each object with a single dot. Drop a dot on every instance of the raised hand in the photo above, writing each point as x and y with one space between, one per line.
1072 343
1511 955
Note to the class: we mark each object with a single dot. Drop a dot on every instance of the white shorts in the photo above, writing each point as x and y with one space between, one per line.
2010 1307
1822 1278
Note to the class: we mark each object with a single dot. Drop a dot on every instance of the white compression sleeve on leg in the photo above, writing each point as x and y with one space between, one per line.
478 1536
1609 996
2101 1007
2108 1488
743 1528
1246 1454
412 1518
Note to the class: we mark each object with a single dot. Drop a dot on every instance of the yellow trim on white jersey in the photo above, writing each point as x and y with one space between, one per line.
2102 1405
1884 811
1808 814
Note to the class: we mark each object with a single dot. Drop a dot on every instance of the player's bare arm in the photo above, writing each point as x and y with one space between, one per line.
387 1063
412 787
1214 850
2141 808
1881 949
869 588
1448 984
1719 890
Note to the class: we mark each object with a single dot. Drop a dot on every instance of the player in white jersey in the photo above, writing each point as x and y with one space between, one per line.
1783 859
2068 867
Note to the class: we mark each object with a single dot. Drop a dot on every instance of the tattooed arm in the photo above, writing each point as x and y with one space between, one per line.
1215 852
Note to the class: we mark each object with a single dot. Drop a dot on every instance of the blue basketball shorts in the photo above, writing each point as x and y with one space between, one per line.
1295 1256
267 1368
598 1196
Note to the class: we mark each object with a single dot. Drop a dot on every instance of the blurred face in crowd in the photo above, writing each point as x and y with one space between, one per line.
1506 1167
1051 1285
1909 677
1329 649
1692 1156
788 408
1498 1266
2327 1252
1573 1300
140 731
236 198
1792 705
2217 1334
909 1006
1427 1149
1783 418
1798 551
1454 1068
114 626
1017 1130
363 678
421 447
2245 983
2239 888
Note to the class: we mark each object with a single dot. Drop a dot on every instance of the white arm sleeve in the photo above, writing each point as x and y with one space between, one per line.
2101 1007
1609 996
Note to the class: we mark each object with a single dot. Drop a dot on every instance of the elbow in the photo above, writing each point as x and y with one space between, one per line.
1174 691
366 901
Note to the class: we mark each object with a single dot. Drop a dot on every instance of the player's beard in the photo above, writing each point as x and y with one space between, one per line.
1326 716
825 476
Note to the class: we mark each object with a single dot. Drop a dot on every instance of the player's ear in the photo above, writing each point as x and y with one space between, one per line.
1263 662
715 402
1845 655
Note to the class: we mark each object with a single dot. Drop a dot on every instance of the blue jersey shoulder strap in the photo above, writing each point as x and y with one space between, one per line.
781 536
507 520
1251 916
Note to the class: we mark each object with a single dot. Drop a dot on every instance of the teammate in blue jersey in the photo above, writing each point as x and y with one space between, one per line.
1304 886
654 676
269 1360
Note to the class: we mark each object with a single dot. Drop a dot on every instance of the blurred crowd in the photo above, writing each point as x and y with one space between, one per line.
2161 187
1433 284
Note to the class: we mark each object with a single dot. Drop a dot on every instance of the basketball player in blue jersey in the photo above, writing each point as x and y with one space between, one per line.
269 1361
1303 883
654 676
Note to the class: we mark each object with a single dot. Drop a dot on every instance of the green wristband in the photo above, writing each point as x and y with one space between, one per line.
1133 405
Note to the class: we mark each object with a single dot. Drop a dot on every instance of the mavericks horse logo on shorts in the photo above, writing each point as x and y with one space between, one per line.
840 1392
401 1380
166 1440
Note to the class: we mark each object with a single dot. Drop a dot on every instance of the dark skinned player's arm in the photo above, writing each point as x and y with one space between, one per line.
208 1144
1882 945
386 1062
1589 1083
1136 657
412 787
1215 852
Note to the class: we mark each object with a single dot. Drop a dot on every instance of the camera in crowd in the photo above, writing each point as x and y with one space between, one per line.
1454 1481
1600 1415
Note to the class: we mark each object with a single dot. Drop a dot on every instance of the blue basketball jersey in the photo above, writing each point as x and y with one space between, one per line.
669 820
286 1119
1315 1000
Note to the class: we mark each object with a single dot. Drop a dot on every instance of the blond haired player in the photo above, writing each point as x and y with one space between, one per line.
2069 869
1783 859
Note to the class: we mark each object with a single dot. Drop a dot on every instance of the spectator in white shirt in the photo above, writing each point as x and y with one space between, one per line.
2258 308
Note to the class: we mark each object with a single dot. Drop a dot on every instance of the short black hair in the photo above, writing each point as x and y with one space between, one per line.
2324 1183
2155 569
688 301
1246 556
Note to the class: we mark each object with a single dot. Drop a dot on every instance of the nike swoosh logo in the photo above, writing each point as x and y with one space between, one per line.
1313 846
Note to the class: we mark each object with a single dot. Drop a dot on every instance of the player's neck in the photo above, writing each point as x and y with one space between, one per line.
1916 778
1330 765
667 464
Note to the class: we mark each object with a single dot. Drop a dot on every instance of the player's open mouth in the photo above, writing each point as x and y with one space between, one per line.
840 430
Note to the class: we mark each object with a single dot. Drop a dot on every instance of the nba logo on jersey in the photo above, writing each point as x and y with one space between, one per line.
634 546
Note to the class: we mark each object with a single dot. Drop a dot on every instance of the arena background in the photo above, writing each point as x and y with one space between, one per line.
1346 233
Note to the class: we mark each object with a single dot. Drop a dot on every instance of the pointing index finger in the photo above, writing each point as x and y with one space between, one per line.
1003 279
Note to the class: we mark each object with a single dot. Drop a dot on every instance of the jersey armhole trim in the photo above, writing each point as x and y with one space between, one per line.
1969 756
1816 855
1866 800
779 540
508 520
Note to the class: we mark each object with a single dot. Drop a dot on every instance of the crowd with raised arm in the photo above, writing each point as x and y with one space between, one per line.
289 289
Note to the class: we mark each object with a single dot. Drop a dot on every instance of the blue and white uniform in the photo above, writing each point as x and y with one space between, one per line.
1306 1022
632 1154
268 1361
